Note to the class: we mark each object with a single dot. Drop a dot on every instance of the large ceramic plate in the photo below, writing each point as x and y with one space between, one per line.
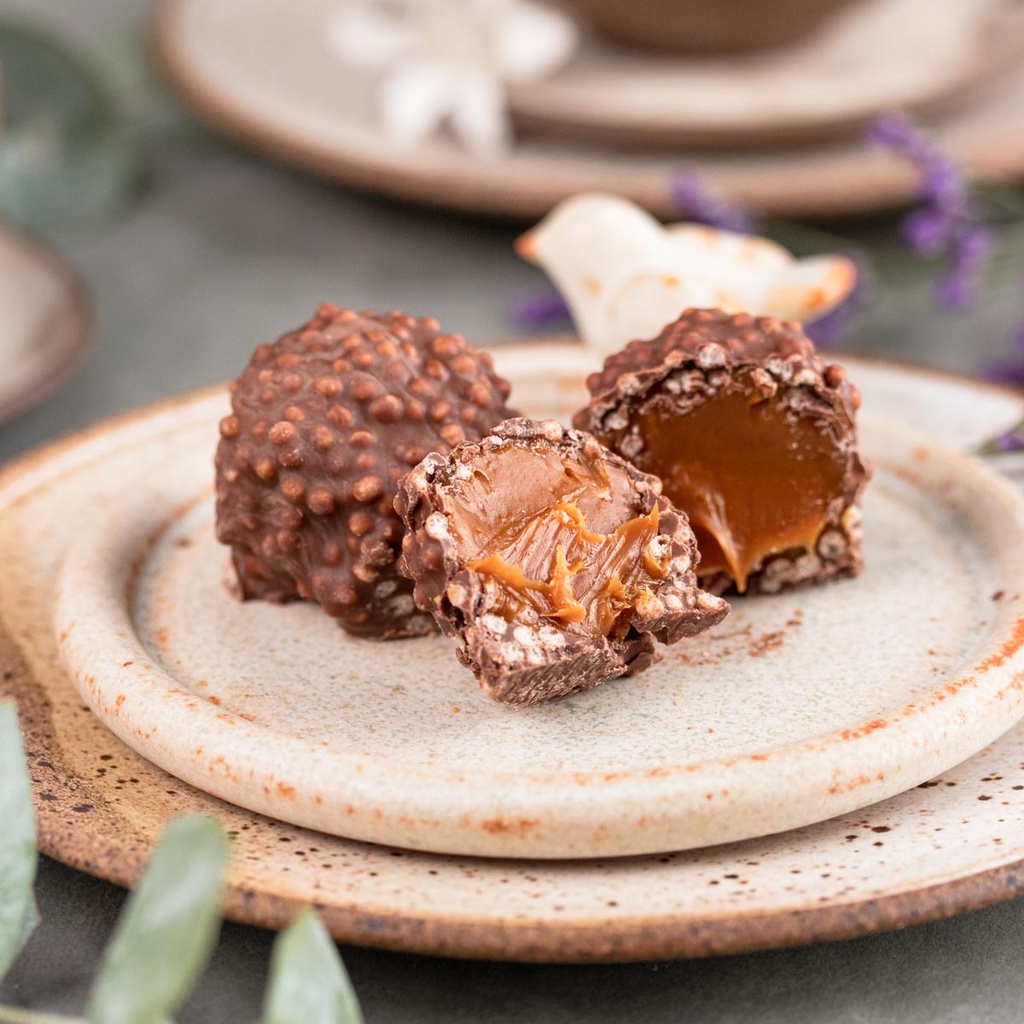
263 73
954 843
802 707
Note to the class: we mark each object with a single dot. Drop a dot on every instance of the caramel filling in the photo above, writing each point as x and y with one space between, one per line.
753 479
563 540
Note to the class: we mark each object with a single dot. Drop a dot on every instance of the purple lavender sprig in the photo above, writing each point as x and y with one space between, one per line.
543 309
690 193
1011 440
946 224
1009 370
829 330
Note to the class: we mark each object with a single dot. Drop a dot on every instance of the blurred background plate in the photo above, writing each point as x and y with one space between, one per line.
263 72
45 321
871 57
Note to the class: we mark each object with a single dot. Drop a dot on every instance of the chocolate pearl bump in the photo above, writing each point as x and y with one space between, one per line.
323 422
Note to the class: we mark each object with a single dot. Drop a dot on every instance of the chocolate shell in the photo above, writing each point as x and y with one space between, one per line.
324 422
556 563
752 435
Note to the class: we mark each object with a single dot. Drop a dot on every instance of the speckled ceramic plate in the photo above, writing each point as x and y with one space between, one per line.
263 73
801 707
954 843
45 319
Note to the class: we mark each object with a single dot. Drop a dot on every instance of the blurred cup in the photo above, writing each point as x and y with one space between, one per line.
708 26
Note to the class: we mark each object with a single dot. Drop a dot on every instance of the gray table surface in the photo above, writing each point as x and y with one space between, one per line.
226 251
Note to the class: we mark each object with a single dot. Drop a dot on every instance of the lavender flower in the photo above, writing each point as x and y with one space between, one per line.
540 310
946 223
1011 369
1010 441
690 193
926 231
958 288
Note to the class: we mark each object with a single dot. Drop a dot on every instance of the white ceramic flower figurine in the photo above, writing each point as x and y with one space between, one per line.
625 276
446 62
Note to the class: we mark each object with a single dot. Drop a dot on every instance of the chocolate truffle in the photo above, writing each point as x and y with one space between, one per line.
752 435
323 424
555 562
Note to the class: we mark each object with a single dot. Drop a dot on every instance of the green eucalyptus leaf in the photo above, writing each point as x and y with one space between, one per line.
48 183
168 928
17 841
47 82
308 981
67 156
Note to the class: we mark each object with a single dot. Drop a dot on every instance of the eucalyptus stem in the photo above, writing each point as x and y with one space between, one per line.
16 1015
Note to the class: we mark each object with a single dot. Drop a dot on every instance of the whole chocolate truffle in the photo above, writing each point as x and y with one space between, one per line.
752 435
324 422
556 563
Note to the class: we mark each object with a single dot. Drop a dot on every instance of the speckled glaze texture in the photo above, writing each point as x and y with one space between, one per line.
953 843
784 718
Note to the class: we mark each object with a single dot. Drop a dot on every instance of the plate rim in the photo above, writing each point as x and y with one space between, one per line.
103 844
876 183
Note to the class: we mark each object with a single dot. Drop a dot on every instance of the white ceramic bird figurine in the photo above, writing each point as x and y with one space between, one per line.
625 276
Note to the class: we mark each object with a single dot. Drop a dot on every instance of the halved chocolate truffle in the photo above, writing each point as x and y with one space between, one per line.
752 435
556 563
324 422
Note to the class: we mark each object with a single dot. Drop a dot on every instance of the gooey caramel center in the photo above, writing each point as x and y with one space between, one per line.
564 540
754 478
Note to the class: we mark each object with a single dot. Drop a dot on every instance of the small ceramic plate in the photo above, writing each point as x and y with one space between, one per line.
954 843
45 319
263 73
873 56
800 707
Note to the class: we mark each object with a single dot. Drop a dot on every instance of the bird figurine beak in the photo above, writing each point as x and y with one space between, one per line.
526 247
